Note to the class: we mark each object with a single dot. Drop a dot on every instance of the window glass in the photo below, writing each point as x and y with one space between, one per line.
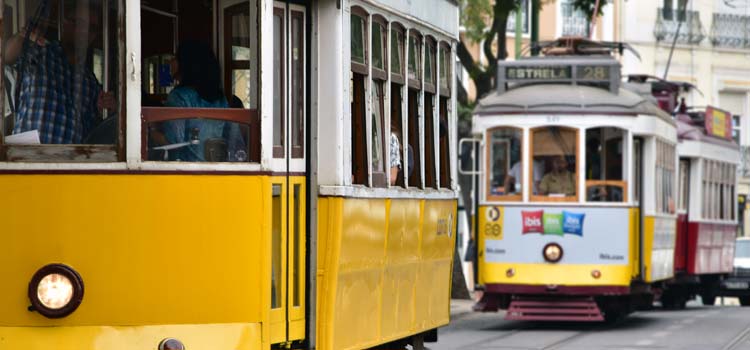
742 249
55 78
429 141
376 138
378 54
414 150
358 39
684 184
444 68
429 70
298 84
665 177
359 136
396 159
445 154
554 153
605 165
279 74
397 51
505 164
415 54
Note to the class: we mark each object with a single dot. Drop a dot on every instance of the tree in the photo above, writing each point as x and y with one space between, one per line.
486 21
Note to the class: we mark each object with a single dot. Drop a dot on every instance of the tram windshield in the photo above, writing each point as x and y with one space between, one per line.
505 164
555 154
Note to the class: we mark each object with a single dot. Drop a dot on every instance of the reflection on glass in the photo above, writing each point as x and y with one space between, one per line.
397 42
429 59
377 47
377 128
505 162
414 55
241 86
358 39
276 232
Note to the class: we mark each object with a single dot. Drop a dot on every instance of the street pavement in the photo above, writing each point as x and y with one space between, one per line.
695 328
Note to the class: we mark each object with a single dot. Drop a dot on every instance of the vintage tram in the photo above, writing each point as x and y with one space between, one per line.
576 214
310 204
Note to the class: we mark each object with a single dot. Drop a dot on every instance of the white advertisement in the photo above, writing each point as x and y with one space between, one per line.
586 235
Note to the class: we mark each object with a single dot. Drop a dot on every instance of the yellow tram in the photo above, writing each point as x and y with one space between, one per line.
282 214
576 188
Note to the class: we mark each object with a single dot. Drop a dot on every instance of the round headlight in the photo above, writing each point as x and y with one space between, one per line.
55 291
552 252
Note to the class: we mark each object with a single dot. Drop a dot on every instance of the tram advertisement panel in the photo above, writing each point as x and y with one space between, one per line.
586 235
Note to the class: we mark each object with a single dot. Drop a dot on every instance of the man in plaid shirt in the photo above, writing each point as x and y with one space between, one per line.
59 95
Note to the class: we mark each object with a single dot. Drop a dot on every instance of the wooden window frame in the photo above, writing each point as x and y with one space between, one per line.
399 115
489 166
446 53
430 51
380 21
444 142
229 63
430 163
417 38
379 178
529 182
414 134
359 134
399 76
622 183
358 67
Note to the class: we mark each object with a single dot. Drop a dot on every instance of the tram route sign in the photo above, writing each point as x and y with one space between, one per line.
718 123
594 71
539 73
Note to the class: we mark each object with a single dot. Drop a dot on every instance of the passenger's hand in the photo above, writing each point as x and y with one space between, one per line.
106 101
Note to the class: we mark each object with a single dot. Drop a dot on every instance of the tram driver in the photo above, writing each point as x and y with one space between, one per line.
559 181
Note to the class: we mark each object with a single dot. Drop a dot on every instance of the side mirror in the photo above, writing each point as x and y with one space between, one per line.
468 164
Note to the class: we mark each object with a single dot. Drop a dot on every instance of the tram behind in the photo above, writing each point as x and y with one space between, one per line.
577 187
286 221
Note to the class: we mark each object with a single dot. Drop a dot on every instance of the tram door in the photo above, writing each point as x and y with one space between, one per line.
289 222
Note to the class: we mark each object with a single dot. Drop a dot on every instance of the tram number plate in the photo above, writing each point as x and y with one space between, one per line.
737 285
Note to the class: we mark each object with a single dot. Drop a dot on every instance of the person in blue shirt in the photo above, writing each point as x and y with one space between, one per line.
199 75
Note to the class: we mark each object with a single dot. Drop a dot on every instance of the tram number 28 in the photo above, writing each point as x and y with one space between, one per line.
594 73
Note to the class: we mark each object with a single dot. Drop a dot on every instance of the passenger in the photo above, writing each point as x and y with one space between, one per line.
395 155
560 181
513 180
198 72
58 95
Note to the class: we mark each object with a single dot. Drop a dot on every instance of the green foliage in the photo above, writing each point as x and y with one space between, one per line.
475 16
587 6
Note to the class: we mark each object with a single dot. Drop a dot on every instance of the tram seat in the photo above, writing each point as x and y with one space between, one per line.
215 150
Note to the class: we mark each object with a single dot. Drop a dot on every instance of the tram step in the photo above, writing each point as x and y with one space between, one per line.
531 309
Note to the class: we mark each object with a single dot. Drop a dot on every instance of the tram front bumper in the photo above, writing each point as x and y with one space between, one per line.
246 336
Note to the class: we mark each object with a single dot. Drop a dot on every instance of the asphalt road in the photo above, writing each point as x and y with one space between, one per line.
695 328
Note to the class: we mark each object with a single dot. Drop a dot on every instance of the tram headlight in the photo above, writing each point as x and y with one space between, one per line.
55 291
552 252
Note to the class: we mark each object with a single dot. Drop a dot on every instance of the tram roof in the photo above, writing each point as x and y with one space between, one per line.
567 99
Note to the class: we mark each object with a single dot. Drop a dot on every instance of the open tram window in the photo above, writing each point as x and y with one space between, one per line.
414 77
444 57
398 165
61 79
379 78
605 165
555 154
360 71
207 115
430 91
505 164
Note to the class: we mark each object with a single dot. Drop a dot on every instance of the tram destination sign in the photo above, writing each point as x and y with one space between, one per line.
558 73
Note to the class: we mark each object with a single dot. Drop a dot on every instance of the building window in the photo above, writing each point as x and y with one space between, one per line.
669 17
574 21
525 6
554 155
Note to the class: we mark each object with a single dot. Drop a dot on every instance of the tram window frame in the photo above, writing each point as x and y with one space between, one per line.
532 151
377 139
684 185
414 68
279 108
607 142
89 150
665 177
429 96
414 102
517 196
297 36
444 95
358 93
396 97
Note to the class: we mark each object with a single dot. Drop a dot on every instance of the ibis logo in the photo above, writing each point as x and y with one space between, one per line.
559 224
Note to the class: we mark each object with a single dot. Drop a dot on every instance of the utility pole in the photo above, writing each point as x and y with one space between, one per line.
535 27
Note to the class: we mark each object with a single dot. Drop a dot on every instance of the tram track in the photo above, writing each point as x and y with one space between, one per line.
738 340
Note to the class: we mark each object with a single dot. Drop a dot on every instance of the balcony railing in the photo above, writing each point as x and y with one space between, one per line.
730 30
691 31
574 20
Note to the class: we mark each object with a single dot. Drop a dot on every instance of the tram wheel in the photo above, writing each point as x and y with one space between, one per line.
672 301
745 301
708 299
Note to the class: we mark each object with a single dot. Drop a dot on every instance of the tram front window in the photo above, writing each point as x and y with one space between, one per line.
60 74
605 181
505 164
555 150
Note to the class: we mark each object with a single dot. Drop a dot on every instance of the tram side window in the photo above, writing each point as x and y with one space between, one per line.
444 127
360 72
505 165
415 86
665 177
205 115
398 165
719 190
429 113
555 155
684 185
61 79
605 181
379 79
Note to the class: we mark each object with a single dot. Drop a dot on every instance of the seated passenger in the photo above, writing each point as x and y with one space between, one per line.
199 75
513 180
560 181
395 158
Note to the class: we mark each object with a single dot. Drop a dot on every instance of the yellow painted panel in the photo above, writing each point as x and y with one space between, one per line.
635 217
648 245
245 336
563 275
151 249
